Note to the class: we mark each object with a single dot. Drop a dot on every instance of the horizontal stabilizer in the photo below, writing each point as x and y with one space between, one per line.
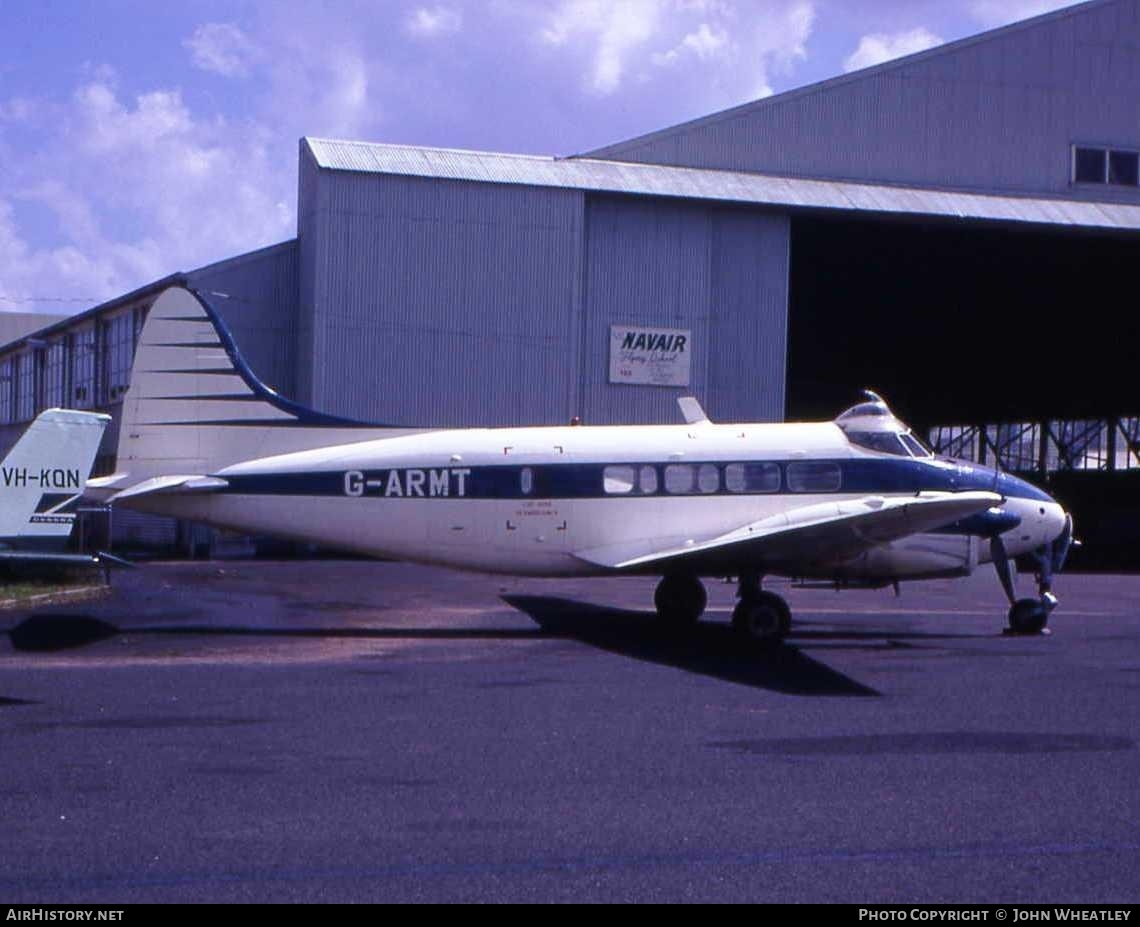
59 558
171 484
821 532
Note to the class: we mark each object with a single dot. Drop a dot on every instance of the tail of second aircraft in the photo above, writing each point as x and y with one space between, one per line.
43 477
194 406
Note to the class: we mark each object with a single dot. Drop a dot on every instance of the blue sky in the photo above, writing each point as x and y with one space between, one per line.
142 138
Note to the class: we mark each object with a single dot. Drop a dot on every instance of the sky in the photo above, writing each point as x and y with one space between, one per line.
138 139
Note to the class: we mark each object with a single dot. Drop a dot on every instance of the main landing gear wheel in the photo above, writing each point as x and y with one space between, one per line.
762 618
680 601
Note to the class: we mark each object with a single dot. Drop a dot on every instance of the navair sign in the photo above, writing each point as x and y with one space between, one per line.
649 356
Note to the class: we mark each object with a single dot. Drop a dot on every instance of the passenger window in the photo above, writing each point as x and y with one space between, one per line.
679 478
526 481
647 477
618 480
752 477
708 478
813 477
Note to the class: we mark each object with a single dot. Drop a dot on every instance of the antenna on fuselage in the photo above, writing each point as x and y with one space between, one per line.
692 411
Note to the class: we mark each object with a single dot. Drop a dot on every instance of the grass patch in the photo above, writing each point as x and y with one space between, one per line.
36 583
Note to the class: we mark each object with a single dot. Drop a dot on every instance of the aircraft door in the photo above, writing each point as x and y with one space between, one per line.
532 519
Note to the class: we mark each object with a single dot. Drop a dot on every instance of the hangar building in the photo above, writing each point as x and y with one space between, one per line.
957 228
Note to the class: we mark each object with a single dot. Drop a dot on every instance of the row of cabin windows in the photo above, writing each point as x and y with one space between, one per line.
82 369
1106 165
708 478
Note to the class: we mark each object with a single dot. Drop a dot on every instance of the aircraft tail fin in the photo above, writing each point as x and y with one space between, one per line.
44 475
195 406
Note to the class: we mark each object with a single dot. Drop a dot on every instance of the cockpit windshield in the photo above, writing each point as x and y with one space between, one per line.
885 442
872 425
890 442
915 446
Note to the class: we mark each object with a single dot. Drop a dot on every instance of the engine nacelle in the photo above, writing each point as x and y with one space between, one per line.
916 557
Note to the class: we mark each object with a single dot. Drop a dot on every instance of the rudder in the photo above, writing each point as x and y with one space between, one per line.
194 405
46 471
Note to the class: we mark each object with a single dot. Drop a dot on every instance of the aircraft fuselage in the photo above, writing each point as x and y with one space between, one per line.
529 500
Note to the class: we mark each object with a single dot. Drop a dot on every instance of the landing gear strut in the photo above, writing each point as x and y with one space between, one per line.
760 617
680 600
1026 616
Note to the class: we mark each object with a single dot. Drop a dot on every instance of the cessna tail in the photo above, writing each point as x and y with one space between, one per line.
856 500
43 477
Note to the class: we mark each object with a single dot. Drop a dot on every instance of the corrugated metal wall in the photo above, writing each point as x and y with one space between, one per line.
459 303
751 262
997 112
256 295
312 243
719 273
648 265
442 302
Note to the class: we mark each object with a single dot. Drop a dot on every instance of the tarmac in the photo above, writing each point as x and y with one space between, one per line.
356 731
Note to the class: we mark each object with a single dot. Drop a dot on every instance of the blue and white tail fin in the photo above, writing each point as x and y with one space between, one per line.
44 475
194 406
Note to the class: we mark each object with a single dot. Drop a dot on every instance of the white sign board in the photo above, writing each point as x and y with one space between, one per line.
650 356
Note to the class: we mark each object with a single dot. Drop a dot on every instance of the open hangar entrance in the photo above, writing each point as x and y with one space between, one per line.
1001 342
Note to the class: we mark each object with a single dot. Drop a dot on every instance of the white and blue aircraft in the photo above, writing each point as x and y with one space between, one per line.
857 501
41 481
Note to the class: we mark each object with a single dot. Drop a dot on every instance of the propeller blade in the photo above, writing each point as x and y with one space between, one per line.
1001 564
1062 545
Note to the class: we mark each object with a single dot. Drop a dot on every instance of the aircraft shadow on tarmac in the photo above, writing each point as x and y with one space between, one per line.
708 649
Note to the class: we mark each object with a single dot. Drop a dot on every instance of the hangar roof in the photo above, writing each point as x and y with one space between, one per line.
793 193
903 63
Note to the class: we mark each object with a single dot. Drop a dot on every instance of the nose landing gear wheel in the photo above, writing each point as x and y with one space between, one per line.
1028 616
680 601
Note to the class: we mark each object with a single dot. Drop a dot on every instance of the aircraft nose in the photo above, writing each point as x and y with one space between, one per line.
1056 520
1043 514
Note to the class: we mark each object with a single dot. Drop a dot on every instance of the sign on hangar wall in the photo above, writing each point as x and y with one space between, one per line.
650 356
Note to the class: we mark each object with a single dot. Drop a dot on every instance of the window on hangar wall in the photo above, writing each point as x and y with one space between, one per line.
1116 166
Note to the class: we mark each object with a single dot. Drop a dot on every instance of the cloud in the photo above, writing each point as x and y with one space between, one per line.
137 189
326 95
429 23
615 29
221 48
25 272
992 13
704 43
111 183
114 189
736 44
879 47
780 41
191 180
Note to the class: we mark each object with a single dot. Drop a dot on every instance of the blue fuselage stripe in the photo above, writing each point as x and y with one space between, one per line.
587 481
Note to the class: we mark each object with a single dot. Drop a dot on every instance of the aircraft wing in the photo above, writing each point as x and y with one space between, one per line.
825 532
